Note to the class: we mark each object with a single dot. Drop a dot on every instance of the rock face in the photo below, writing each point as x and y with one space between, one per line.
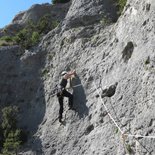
86 12
35 13
39 10
115 65
21 84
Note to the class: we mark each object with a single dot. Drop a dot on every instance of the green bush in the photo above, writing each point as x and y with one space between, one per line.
35 38
59 1
7 41
7 38
11 136
9 121
27 38
45 72
30 35
30 25
54 24
43 24
121 4
12 142
23 38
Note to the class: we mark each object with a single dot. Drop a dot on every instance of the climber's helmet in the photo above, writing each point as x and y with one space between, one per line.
63 73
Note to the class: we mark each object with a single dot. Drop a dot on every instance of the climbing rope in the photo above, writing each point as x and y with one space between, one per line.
140 136
120 130
107 109
129 135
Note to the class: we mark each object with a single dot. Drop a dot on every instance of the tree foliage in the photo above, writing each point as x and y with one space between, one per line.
9 120
30 35
10 134
12 142
59 1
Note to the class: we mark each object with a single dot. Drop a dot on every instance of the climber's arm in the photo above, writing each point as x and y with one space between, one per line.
69 74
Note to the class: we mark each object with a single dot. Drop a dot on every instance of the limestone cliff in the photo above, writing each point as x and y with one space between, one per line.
115 64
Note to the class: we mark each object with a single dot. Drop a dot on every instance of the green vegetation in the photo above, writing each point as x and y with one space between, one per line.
7 40
54 24
27 38
30 35
45 72
147 61
59 1
45 24
35 37
12 143
23 38
9 121
10 135
121 5
1 137
116 130
129 149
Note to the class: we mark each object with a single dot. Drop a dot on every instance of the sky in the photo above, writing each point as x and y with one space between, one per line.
10 8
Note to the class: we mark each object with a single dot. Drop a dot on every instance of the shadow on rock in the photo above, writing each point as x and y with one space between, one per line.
22 85
79 98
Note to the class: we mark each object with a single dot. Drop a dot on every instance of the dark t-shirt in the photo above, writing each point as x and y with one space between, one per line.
63 83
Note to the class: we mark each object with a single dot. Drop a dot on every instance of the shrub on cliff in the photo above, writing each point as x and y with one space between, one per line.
10 134
9 121
6 41
44 24
121 5
12 143
30 35
23 38
35 38
7 38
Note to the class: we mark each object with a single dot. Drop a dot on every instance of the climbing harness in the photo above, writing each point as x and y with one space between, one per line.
58 89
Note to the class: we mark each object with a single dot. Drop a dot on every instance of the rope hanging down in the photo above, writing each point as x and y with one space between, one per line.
107 109
123 134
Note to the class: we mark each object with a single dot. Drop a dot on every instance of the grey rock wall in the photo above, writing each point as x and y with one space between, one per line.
86 12
121 53
39 10
34 14
21 85
117 59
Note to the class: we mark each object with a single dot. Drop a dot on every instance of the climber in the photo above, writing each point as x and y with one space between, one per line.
64 93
